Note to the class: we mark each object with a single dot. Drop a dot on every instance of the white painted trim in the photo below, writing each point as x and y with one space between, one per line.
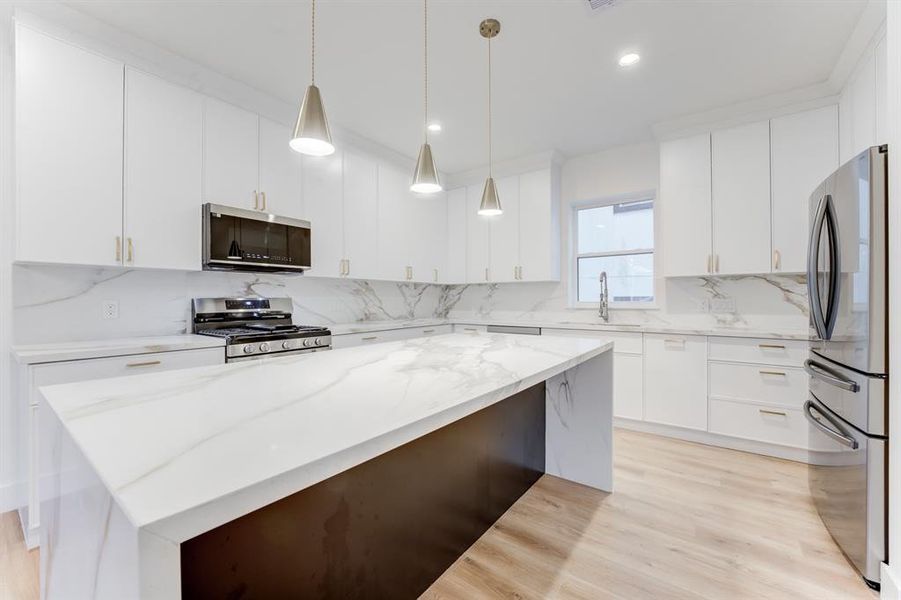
869 30
890 581
720 441
750 111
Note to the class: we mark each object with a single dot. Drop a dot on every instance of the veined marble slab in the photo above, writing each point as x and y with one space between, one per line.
56 352
182 452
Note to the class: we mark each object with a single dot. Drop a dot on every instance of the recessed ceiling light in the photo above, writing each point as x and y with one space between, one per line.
434 127
627 60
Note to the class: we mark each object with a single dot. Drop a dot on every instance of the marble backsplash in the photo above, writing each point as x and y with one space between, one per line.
64 303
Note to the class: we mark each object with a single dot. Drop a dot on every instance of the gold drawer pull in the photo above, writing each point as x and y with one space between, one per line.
470 329
777 413
780 373
149 363
771 346
428 331
370 338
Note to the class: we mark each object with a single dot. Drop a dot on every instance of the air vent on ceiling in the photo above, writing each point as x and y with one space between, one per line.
601 3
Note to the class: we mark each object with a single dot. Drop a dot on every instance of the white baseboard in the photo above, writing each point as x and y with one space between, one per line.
12 495
715 439
890 582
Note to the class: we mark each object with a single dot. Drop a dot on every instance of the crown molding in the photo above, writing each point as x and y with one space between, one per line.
505 168
868 32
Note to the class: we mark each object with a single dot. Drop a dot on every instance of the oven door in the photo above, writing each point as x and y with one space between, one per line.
848 489
246 240
231 359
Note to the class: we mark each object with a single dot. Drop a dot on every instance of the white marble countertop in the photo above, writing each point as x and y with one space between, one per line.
370 326
56 352
184 451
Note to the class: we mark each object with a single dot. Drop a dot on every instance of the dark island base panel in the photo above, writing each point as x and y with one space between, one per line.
385 529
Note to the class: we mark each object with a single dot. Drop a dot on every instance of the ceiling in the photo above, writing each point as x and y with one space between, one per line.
557 84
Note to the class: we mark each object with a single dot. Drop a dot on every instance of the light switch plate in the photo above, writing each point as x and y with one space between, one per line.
110 309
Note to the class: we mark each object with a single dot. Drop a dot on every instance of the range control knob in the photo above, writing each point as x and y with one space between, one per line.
264 347
286 345
308 342
317 342
248 349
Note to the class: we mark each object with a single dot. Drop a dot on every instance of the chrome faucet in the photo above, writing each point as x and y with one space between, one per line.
604 304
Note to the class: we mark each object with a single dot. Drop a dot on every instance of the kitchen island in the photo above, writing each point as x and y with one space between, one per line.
359 473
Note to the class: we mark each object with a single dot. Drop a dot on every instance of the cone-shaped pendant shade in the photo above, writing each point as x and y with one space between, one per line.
425 177
311 133
491 204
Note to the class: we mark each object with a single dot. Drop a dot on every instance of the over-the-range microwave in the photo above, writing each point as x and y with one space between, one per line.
237 239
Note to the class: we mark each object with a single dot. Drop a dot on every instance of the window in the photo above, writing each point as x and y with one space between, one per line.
616 238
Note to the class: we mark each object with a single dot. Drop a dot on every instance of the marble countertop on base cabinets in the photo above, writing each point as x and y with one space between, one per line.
56 352
184 451
371 326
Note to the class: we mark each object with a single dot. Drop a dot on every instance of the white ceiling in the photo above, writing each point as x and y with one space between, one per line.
556 80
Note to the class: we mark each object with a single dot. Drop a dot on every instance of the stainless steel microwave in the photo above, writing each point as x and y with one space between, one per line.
236 239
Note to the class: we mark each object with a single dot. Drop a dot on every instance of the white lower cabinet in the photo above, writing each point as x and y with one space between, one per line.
675 380
628 392
36 445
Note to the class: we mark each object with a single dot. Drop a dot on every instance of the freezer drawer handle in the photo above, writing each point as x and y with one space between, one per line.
841 438
824 373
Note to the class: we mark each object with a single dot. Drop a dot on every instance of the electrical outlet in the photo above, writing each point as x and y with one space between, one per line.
704 305
110 309
722 305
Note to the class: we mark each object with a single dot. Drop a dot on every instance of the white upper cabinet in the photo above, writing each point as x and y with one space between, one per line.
478 237
504 236
323 193
361 213
231 155
861 105
394 224
539 227
804 151
280 171
456 237
69 129
685 206
163 155
429 229
741 199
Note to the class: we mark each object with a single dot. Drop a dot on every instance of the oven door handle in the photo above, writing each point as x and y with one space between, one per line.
830 376
839 436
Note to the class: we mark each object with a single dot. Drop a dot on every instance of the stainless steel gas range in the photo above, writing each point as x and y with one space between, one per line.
256 327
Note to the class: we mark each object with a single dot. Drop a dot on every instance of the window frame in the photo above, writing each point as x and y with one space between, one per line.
575 207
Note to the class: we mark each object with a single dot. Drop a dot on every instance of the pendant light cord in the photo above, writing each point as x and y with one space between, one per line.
425 29
489 107
313 45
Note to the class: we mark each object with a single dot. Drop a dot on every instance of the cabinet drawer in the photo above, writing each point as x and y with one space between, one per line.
759 351
470 328
429 331
623 341
776 385
783 426
675 380
350 340
121 366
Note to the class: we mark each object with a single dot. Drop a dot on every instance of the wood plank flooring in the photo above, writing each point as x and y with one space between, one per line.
686 521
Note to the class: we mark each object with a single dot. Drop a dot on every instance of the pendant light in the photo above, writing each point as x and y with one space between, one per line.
425 176
491 203
311 133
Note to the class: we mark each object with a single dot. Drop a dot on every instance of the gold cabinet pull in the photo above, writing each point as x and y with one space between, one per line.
409 273
149 363
435 274
779 373
709 263
486 273
263 198
771 346
118 248
778 413
428 331
777 260
131 251
256 200
347 266
716 263
470 329
370 338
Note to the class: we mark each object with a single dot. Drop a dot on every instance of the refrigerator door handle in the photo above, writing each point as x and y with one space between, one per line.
835 268
839 436
813 256
830 376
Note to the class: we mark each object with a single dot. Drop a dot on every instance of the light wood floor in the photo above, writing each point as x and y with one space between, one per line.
685 521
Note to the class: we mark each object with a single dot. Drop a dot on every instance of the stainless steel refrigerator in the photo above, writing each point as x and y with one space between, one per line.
847 277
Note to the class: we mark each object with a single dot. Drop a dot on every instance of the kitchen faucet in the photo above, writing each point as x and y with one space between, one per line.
603 306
